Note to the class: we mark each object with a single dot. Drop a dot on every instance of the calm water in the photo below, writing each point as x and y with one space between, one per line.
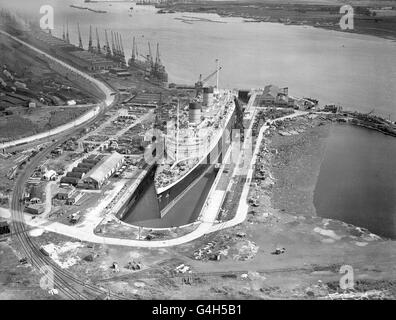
357 180
357 71
185 211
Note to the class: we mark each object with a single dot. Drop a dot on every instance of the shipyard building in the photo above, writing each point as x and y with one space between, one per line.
101 171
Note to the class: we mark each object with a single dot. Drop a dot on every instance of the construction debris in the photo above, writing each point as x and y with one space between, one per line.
182 269
114 266
132 265
279 251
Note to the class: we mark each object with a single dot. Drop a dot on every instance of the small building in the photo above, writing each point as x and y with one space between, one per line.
74 199
35 200
86 165
75 174
274 96
65 193
35 209
4 227
57 151
332 108
95 178
69 180
123 74
49 175
81 169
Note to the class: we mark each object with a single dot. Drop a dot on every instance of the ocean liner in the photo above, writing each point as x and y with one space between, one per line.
190 151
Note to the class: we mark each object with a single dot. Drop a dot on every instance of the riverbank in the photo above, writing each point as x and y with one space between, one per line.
295 164
367 20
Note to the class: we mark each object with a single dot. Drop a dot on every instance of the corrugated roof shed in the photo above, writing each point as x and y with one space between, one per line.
105 166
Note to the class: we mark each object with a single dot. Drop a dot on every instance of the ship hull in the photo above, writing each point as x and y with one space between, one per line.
167 197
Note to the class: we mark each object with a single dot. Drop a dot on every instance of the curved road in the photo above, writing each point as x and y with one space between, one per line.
68 285
107 91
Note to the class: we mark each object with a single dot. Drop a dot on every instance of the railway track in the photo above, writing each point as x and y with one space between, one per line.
70 286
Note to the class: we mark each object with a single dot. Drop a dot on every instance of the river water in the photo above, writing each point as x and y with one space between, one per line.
358 71
357 180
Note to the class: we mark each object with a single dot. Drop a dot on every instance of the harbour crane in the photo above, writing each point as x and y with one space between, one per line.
108 50
67 33
80 44
97 42
150 56
201 82
90 46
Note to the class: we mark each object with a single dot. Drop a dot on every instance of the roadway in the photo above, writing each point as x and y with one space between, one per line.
107 91
67 284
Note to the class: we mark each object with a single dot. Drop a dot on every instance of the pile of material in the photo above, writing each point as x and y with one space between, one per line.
132 265
246 250
212 251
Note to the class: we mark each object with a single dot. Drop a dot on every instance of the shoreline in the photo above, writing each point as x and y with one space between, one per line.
313 15
296 167
292 166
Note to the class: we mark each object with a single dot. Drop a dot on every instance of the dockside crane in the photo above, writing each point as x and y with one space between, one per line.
67 33
112 44
122 47
90 47
150 56
108 50
133 58
97 42
118 45
201 82
80 44
63 33
157 58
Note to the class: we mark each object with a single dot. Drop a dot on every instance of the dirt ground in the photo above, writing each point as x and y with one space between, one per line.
18 281
240 262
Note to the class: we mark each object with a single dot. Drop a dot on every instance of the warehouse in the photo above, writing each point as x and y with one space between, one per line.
96 177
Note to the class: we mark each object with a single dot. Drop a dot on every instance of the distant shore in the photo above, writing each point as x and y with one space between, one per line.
367 19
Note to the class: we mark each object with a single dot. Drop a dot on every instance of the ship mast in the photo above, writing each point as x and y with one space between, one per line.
217 75
80 44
